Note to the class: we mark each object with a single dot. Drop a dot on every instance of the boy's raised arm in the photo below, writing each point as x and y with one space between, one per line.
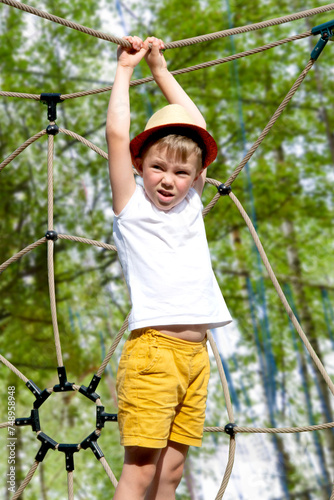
171 89
118 124
173 92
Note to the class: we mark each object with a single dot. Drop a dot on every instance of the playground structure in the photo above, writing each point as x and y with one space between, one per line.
324 32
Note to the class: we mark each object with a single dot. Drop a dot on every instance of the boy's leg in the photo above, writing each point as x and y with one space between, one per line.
138 471
169 471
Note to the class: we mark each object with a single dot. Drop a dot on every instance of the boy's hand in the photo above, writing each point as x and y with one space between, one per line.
154 56
130 57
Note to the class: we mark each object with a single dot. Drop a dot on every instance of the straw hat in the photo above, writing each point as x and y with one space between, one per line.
174 119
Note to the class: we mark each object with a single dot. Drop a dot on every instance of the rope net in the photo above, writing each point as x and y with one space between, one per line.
51 236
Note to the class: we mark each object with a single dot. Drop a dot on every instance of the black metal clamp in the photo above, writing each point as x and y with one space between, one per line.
90 442
326 30
229 429
89 391
47 444
224 190
102 417
51 235
63 385
51 100
33 420
69 450
40 396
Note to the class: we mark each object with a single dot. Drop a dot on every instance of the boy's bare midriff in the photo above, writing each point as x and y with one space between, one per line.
192 333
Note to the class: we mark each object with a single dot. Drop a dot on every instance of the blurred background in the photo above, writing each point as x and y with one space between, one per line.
287 189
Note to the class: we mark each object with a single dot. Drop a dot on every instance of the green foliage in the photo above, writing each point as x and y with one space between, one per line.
288 184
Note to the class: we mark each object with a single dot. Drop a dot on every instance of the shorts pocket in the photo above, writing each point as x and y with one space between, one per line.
139 355
147 356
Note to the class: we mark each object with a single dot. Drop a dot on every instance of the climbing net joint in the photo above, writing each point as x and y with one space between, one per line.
63 385
33 420
229 429
47 444
90 442
89 391
51 100
40 396
51 235
224 190
326 32
102 417
69 450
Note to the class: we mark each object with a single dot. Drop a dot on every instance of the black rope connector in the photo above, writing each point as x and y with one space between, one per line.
51 100
89 391
94 383
47 444
102 417
43 396
52 129
33 420
51 235
40 396
63 385
90 442
326 30
69 450
224 190
229 429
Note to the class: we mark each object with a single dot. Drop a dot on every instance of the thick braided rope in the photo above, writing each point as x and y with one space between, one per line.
250 27
21 148
14 370
179 43
5 424
85 142
50 248
65 22
222 376
281 295
148 79
50 181
274 430
215 199
53 306
271 122
113 347
196 67
87 241
20 254
70 489
34 245
229 467
26 480
36 97
108 470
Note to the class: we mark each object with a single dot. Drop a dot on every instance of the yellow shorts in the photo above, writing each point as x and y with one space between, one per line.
162 389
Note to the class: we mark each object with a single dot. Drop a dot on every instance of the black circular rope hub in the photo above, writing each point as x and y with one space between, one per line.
67 448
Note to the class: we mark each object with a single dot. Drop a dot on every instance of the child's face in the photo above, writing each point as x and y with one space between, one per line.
166 180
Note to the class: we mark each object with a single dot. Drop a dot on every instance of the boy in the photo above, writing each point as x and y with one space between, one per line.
159 233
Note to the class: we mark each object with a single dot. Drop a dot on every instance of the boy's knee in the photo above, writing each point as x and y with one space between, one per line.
137 455
141 463
174 475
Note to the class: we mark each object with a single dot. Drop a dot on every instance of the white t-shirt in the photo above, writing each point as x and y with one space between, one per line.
166 264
